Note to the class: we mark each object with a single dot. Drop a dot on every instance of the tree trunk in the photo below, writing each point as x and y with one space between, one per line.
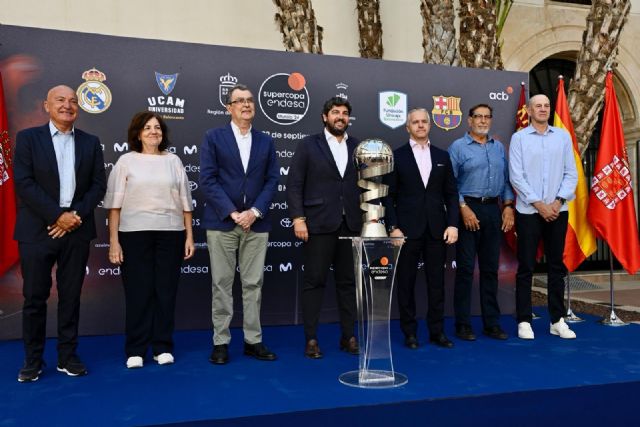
478 45
370 29
297 22
438 32
598 53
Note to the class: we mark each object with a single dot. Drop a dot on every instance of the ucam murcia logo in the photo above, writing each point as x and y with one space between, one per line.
94 96
166 82
168 106
446 112
284 98
392 108
612 183
226 82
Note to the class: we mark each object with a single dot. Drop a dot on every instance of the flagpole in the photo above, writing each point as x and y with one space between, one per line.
571 316
613 319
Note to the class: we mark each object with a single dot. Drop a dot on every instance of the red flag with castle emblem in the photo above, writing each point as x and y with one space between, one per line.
611 207
522 121
8 246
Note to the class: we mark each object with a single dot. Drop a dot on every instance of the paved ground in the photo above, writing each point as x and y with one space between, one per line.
590 293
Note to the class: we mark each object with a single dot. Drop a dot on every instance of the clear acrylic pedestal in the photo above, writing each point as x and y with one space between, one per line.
375 260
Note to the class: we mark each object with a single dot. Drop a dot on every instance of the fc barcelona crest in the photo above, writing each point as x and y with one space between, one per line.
166 82
446 112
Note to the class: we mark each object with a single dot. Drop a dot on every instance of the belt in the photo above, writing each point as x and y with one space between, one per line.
482 200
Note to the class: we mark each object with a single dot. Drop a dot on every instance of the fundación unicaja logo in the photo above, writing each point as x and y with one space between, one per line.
93 95
392 108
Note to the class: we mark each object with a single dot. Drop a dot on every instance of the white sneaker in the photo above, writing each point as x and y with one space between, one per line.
135 362
164 359
524 331
561 329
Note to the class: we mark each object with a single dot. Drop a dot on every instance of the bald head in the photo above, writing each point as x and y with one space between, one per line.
62 106
539 110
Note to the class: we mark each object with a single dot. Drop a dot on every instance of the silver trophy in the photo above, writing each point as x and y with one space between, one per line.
373 158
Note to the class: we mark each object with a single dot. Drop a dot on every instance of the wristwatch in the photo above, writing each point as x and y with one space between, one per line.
561 200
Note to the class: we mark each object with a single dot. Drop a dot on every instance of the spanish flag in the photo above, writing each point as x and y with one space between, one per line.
581 239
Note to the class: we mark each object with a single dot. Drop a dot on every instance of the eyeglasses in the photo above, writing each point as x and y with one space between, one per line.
243 101
482 116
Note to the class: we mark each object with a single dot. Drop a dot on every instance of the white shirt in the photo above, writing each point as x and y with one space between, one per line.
339 151
151 190
64 146
244 144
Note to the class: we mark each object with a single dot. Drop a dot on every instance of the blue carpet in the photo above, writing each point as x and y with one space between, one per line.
594 378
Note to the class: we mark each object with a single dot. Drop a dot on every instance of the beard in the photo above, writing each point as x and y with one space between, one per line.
335 131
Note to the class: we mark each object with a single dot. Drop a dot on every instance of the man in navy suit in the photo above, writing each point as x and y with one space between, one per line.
323 198
239 177
422 206
59 179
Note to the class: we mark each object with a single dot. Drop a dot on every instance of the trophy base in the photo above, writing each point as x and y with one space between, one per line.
373 229
373 379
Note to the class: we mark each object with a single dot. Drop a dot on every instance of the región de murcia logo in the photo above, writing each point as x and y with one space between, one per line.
612 183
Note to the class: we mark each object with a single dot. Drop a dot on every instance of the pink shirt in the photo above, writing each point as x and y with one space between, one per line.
152 192
422 154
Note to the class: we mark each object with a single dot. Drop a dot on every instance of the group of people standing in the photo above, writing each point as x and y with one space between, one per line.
435 199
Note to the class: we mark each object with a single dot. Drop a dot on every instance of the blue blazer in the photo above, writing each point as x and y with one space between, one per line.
37 183
226 186
316 190
415 209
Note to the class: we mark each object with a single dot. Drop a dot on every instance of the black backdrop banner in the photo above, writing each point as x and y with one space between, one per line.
186 83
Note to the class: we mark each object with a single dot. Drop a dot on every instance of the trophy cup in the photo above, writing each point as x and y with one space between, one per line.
375 257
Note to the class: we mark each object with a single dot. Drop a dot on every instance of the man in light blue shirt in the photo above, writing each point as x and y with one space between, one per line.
543 174
482 175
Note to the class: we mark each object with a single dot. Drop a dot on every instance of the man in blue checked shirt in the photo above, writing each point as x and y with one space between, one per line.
543 174
486 210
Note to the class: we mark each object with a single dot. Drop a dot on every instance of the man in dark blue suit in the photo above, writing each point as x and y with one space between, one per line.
59 179
239 177
323 198
422 206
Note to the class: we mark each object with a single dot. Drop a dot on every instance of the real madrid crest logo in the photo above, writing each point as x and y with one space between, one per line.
94 96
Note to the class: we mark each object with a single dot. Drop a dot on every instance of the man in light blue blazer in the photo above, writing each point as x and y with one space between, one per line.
239 177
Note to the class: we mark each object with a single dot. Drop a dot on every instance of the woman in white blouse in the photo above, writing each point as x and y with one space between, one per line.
150 233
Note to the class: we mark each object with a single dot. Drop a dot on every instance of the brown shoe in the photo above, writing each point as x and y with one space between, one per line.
350 345
312 350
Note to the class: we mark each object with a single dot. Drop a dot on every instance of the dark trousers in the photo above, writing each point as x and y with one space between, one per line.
70 253
150 274
320 251
485 245
433 252
530 228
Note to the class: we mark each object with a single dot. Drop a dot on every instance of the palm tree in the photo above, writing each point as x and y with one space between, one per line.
597 55
438 32
297 22
370 29
478 45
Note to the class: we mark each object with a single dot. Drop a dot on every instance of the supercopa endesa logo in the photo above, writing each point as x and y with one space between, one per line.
284 98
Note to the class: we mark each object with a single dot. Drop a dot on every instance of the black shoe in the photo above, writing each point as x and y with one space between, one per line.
312 350
220 354
464 332
441 340
259 351
412 342
73 367
350 345
30 371
495 332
